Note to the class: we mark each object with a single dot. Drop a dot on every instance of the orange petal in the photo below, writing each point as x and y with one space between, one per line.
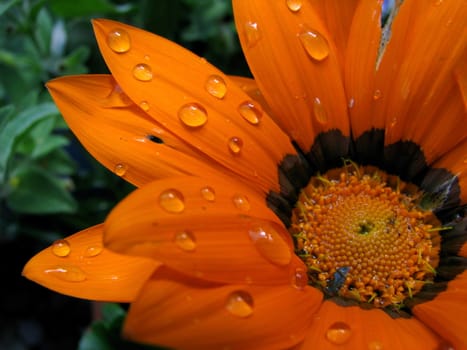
198 103
294 61
337 327
447 313
178 313
210 228
79 266
117 133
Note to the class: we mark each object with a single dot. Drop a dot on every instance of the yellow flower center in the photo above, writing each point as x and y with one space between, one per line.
363 236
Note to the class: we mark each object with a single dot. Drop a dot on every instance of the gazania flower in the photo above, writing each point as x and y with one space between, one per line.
319 206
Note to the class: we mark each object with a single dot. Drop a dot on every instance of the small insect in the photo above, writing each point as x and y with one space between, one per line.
338 281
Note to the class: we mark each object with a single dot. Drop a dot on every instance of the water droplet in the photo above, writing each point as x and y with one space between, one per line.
437 2
252 33
235 145
147 57
215 85
93 250
144 105
193 115
185 240
240 303
375 345
338 333
172 201
294 5
68 273
241 202
208 193
119 40
61 248
120 169
319 111
142 72
377 94
299 278
117 99
250 112
351 103
315 44
270 244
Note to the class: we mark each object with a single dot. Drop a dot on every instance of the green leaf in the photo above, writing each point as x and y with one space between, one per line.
43 32
87 8
34 191
59 162
18 125
5 6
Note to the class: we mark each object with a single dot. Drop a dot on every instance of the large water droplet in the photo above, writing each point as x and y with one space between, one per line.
294 5
252 33
208 194
240 303
319 111
250 112
172 201
270 244
144 105
120 169
119 40
93 250
193 115
68 273
215 85
142 72
235 145
61 248
299 278
338 333
185 240
315 44
241 202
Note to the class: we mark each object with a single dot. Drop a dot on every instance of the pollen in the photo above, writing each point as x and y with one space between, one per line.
363 236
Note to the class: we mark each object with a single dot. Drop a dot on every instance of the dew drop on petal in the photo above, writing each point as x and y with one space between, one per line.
250 112
185 240
351 103
68 273
215 86
241 202
375 345
142 72
144 105
208 194
299 278
240 303
294 5
235 145
252 33
377 94
172 201
118 40
319 111
270 244
314 43
61 248
338 333
120 169
93 250
193 115
117 99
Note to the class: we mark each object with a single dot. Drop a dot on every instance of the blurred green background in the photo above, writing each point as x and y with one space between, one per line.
49 186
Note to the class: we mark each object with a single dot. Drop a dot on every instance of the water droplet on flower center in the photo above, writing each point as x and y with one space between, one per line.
172 201
193 115
240 303
185 240
315 44
215 85
250 112
338 333
61 248
118 40
142 72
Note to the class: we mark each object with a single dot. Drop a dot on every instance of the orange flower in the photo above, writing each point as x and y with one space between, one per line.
240 235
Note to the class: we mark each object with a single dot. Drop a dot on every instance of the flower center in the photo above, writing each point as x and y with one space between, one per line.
363 236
